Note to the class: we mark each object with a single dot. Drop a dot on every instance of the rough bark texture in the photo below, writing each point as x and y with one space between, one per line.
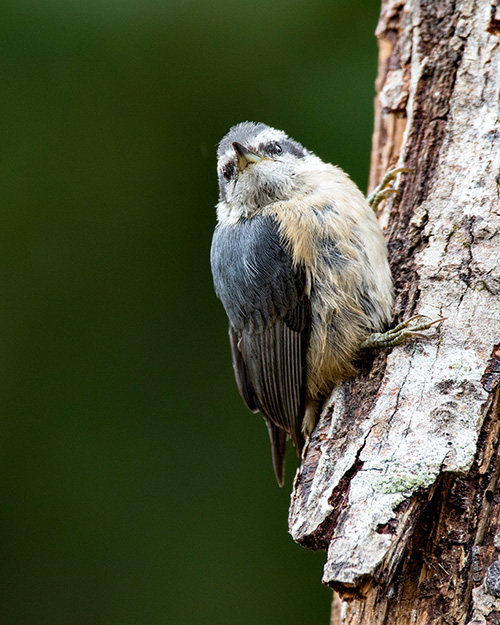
399 480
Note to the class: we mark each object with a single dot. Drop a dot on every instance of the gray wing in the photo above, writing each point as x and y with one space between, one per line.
277 435
264 296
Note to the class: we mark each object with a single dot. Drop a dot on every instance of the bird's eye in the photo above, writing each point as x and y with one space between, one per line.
271 148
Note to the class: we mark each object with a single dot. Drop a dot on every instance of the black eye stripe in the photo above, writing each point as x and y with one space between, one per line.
271 148
274 148
228 170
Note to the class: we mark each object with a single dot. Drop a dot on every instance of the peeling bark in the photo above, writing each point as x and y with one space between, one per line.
399 479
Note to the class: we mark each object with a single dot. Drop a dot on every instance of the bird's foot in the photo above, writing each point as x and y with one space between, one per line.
399 334
385 187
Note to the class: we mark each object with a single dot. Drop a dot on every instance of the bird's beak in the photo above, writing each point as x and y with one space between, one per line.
245 156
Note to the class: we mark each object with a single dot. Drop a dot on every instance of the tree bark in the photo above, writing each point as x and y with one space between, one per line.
399 479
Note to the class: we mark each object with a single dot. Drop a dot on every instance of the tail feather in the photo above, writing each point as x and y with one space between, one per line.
278 439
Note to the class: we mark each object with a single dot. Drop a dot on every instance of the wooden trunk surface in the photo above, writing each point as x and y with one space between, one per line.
399 481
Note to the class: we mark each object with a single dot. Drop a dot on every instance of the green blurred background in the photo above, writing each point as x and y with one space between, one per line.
135 486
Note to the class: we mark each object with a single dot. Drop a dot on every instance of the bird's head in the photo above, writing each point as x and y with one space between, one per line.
258 165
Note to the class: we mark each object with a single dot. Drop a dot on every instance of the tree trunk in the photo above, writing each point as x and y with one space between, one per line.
399 480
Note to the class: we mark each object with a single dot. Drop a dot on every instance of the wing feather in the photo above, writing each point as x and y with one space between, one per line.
240 373
275 362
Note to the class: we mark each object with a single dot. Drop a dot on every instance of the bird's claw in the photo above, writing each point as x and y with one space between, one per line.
385 187
400 334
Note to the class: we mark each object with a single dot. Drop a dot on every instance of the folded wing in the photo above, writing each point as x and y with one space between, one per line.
264 295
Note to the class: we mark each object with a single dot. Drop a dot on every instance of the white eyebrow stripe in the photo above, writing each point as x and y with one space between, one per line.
270 134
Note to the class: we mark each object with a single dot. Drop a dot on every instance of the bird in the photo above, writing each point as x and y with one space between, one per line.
299 262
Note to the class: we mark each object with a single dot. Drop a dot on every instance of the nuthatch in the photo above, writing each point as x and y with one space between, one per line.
300 264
